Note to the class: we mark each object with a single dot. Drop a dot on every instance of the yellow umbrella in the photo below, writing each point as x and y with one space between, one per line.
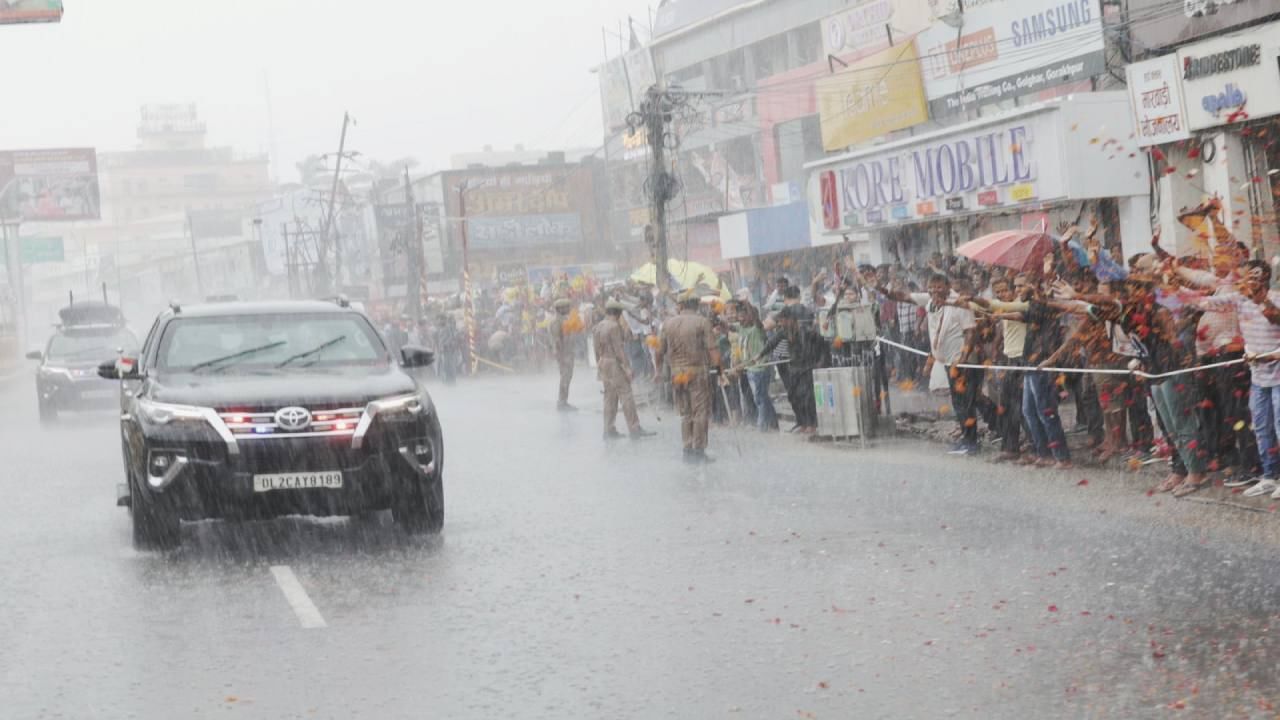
685 274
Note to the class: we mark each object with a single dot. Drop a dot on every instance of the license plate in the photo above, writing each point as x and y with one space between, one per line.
297 481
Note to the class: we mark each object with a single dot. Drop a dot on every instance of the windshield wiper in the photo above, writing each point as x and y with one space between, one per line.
238 355
317 349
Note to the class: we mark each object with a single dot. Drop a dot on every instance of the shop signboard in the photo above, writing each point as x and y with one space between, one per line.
1001 49
30 11
868 26
509 274
873 97
1164 23
1030 157
1232 78
919 178
50 185
515 231
1155 94
37 250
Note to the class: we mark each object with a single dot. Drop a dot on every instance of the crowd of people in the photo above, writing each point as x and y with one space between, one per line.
1160 355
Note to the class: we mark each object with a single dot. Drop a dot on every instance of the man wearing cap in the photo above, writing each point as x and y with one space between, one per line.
564 352
614 370
689 348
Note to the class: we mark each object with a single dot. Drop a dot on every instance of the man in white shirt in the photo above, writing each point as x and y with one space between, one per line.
951 342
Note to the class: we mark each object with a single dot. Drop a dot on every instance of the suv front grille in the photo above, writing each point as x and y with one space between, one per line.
339 422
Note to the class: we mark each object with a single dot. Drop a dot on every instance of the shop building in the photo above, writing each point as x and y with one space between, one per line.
1208 114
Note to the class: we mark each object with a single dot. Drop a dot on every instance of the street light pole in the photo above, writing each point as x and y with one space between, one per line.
13 263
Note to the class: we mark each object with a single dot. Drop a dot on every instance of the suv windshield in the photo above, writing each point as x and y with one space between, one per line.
98 346
257 342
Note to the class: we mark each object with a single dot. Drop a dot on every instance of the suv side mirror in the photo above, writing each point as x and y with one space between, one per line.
35 355
412 356
120 369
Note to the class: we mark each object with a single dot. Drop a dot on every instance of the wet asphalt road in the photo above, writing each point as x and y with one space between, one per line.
572 580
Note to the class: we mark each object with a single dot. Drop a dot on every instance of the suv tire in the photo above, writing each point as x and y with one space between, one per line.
155 527
421 509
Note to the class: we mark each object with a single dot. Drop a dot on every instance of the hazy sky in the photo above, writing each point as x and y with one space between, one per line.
425 78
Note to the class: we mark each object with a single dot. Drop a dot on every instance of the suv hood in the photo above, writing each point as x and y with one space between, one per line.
338 387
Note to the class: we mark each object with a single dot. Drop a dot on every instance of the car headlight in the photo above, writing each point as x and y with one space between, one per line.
53 372
159 413
414 404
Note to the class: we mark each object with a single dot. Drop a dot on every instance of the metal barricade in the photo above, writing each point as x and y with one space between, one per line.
845 399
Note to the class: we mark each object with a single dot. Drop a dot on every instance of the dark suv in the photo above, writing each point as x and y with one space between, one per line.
258 410
67 378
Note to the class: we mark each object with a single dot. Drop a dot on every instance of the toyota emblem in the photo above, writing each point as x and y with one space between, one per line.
293 419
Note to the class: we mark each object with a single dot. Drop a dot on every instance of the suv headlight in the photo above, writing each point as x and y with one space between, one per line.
414 404
159 413
55 372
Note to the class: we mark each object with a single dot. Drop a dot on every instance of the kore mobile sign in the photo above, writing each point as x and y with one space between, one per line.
1007 48
30 11
999 164
49 185
1043 154
1232 78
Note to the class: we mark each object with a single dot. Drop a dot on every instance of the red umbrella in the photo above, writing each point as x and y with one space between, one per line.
1018 249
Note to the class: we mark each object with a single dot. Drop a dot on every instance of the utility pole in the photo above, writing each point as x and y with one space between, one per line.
655 114
468 307
195 257
322 273
412 234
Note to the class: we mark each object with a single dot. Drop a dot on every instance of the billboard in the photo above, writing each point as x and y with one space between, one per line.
534 209
1004 49
875 96
30 11
624 81
1166 22
395 228
49 185
867 26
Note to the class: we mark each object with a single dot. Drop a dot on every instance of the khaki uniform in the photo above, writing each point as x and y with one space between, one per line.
687 343
564 355
608 338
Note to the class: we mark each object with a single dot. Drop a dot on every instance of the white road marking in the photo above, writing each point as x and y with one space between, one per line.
298 599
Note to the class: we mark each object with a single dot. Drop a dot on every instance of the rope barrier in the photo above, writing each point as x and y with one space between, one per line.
1089 371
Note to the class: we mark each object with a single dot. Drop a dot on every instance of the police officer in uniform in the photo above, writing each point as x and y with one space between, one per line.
608 338
563 346
688 345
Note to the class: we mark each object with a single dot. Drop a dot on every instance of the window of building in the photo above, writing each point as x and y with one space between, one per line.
201 181
805 44
799 141
768 57
690 78
729 71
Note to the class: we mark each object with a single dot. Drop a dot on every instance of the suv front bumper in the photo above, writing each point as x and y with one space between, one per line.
210 471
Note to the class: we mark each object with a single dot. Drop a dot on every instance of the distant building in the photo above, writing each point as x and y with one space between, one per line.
488 157
173 171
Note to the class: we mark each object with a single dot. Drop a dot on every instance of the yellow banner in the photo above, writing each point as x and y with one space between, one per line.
878 94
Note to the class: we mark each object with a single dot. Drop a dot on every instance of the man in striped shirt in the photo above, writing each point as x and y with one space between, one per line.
1259 317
